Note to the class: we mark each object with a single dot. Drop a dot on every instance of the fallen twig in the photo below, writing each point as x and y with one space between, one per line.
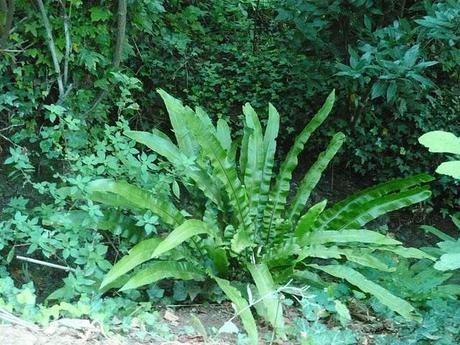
44 263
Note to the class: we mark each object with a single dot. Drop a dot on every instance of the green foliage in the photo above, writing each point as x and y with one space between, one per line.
398 64
22 302
439 326
216 209
444 142
247 219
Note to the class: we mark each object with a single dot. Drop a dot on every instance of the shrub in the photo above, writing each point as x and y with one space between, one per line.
449 248
246 224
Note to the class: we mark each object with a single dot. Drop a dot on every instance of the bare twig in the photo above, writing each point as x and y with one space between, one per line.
44 263
9 140
12 50
52 47
8 128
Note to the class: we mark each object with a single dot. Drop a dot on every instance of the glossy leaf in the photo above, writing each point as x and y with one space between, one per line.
161 144
385 297
450 169
441 141
138 197
312 177
347 236
139 254
164 269
306 222
273 308
185 231
356 201
255 160
375 208
177 113
242 309
226 172
279 194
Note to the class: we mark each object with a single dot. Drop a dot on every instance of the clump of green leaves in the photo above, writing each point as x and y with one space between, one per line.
246 224
445 142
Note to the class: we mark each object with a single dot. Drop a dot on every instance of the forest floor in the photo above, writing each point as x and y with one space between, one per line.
185 325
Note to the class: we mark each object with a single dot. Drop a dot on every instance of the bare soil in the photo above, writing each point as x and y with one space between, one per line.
187 325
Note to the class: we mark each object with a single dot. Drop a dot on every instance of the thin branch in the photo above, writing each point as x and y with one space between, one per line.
68 43
44 263
52 47
121 34
403 8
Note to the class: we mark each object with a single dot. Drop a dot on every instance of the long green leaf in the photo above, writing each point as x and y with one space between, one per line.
223 134
363 257
164 269
438 233
244 151
110 199
410 253
271 133
348 236
142 199
177 113
306 222
226 172
188 229
278 196
242 309
360 216
312 177
255 161
139 254
357 199
393 302
273 308
161 144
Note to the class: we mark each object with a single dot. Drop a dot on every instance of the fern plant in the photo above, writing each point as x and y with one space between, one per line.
249 222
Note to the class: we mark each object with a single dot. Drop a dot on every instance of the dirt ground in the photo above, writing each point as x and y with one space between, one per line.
57 334
85 332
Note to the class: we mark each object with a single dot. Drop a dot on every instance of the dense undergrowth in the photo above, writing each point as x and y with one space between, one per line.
143 203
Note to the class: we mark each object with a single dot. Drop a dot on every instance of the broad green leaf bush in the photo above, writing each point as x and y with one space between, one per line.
247 221
445 142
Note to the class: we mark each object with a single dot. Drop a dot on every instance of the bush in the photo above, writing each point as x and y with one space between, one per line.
244 223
